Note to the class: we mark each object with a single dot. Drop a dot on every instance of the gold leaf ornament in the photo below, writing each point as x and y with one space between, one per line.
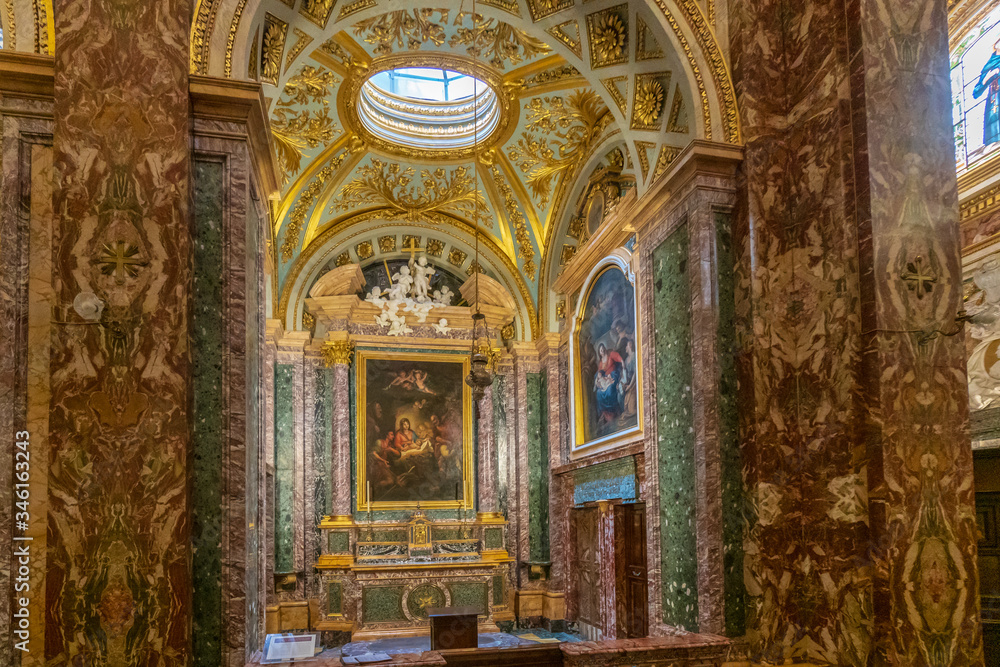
609 37
648 101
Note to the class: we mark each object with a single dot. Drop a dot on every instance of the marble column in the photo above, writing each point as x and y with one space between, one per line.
340 357
487 472
26 227
558 514
120 391
862 541
272 334
525 363
290 455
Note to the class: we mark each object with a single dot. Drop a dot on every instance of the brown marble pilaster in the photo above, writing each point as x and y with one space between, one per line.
608 551
224 138
26 225
487 470
119 418
525 361
548 357
698 186
341 460
861 547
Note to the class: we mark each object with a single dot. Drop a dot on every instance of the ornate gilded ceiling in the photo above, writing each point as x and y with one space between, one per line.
587 89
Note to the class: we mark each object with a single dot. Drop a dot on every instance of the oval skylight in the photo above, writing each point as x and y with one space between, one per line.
426 108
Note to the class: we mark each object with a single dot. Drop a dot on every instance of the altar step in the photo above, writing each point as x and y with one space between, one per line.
685 650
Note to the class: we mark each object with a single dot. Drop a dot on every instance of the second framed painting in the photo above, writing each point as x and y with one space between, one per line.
607 373
414 431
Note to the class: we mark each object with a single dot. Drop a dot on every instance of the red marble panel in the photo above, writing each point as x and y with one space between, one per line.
856 459
119 582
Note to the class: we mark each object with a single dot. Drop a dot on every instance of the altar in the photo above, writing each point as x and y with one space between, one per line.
380 578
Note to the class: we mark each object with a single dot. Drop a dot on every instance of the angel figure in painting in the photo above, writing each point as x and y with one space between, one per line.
989 79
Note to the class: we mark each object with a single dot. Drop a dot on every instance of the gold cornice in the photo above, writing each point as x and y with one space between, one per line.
304 260
28 74
982 203
241 102
535 67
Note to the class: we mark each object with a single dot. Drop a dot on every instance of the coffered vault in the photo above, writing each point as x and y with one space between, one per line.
595 98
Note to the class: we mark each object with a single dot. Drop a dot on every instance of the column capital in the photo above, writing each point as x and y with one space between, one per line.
273 331
337 352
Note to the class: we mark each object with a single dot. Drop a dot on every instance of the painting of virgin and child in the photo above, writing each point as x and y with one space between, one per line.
608 357
413 430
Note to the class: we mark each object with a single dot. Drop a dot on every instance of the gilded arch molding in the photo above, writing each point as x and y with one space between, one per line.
357 227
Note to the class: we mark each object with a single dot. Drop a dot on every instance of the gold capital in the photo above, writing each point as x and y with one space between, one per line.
337 352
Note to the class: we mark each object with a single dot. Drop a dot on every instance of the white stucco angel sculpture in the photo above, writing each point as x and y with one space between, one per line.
401 283
422 273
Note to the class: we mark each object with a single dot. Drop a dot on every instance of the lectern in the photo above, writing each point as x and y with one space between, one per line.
454 627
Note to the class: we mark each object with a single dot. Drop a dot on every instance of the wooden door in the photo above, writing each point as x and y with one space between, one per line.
586 566
988 521
632 585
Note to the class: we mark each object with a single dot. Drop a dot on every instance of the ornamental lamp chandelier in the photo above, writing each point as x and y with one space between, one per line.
479 377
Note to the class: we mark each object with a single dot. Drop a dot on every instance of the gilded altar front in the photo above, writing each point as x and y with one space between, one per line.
379 578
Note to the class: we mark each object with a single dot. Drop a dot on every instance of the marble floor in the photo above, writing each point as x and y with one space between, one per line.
398 645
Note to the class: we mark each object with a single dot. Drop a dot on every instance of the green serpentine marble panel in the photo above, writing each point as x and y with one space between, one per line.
322 448
675 430
284 472
339 542
469 595
538 468
493 538
255 404
605 481
334 598
729 446
498 590
207 414
382 604
501 435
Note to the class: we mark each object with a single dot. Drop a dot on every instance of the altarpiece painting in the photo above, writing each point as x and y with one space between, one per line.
606 369
414 431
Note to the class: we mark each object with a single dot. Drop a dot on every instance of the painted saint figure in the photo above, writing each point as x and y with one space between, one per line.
609 373
989 79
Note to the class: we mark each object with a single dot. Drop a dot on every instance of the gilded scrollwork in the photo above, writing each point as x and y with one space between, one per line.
297 218
272 48
296 129
558 134
525 249
496 40
410 27
439 194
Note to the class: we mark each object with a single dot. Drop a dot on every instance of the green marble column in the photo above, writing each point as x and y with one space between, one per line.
538 468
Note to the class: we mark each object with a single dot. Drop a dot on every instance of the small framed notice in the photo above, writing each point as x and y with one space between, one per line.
288 648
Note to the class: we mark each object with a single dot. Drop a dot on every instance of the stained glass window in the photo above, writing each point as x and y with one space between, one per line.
975 90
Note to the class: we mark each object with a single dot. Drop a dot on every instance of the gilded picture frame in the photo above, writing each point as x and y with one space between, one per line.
420 395
599 427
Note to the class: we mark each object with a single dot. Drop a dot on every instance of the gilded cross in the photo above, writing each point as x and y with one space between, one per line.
121 259
920 281
413 248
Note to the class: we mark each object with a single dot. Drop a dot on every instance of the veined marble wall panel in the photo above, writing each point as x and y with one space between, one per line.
675 430
118 509
322 448
862 538
209 410
284 467
25 310
537 467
